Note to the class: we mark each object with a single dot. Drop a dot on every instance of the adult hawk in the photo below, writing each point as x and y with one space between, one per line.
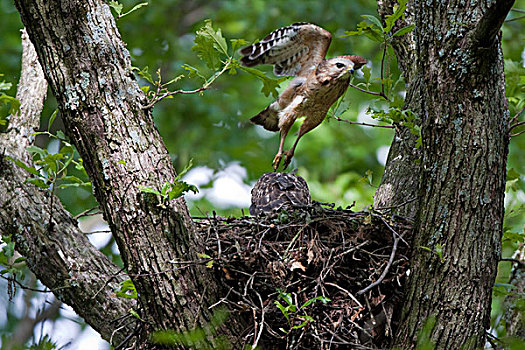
299 50
276 191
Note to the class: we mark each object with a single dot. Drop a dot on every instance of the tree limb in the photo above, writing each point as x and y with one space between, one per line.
490 23
89 70
60 256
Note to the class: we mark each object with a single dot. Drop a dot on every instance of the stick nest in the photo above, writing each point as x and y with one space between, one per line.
314 278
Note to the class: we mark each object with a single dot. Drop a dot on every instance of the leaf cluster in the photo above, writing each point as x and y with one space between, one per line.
295 315
8 104
173 190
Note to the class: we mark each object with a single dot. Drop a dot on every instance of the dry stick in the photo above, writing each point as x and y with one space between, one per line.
390 260
364 124
346 291
515 118
254 345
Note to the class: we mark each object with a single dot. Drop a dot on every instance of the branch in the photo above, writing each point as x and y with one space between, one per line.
100 102
490 23
61 257
364 124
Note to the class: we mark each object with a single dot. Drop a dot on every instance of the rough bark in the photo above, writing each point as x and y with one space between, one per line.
399 186
89 70
456 87
57 252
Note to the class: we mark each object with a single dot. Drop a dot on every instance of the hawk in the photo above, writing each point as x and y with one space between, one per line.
299 50
276 191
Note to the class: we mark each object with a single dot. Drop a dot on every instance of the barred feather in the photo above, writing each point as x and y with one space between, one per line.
293 50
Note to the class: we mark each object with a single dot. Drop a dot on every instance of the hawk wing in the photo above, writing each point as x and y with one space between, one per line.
293 50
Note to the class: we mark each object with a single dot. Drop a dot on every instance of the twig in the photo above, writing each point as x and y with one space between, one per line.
517 134
254 345
206 85
33 289
369 92
517 261
396 237
515 118
397 205
364 124
346 291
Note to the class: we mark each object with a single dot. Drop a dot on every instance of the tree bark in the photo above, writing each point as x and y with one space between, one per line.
454 72
59 254
89 70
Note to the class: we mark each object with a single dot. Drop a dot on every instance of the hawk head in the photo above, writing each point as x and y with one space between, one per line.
338 68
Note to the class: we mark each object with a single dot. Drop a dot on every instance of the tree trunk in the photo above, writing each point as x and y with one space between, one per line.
453 66
89 70
59 254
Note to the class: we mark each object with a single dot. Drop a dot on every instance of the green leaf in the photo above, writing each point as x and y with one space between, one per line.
38 182
283 310
135 314
179 188
193 72
37 150
127 290
4 85
136 7
12 101
144 73
270 85
238 43
52 119
373 20
115 5
321 299
371 31
390 20
404 30
210 45
20 164
147 189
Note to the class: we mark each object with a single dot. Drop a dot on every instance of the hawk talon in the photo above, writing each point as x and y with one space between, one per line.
287 158
277 161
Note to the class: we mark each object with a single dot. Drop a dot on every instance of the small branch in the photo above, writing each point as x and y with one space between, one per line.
514 119
382 71
517 134
516 261
364 124
370 92
156 97
490 23
385 271
33 289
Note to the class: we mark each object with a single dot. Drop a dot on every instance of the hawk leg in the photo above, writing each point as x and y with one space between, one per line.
308 124
279 154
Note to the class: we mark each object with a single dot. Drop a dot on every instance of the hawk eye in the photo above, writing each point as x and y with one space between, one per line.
339 65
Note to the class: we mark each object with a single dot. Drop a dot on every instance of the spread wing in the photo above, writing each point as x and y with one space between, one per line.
293 50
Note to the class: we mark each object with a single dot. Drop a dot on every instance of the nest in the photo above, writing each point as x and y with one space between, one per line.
315 278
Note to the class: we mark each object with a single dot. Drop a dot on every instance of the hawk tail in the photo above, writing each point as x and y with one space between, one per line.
268 118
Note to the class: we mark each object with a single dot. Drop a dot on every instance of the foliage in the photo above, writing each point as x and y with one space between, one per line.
126 290
173 190
197 337
50 168
8 104
295 315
